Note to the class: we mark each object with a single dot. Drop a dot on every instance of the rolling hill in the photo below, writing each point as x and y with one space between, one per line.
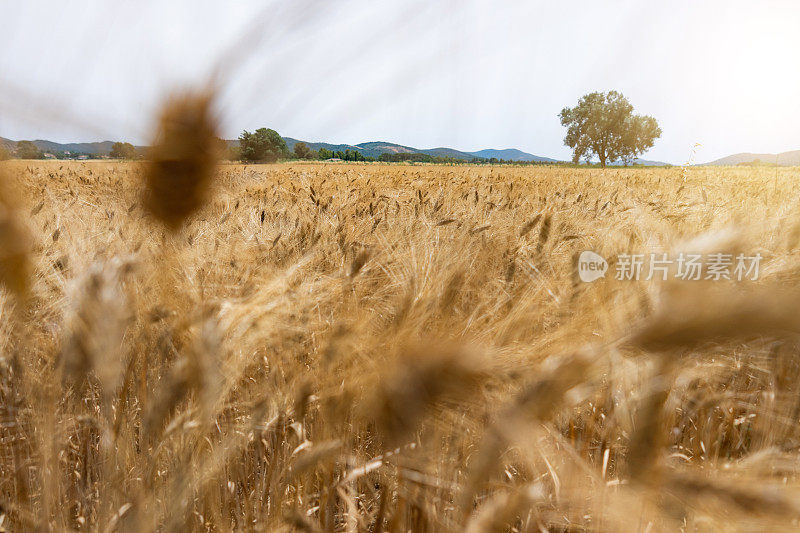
93 148
512 154
375 149
448 152
783 159
368 149
7 144
290 142
643 162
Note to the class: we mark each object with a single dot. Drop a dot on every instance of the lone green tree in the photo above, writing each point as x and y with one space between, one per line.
120 150
604 125
262 145
640 134
4 154
28 150
302 151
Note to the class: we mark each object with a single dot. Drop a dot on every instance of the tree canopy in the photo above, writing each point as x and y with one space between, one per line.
302 151
121 150
28 150
603 124
262 145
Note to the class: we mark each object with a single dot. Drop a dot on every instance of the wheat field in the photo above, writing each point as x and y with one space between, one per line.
370 347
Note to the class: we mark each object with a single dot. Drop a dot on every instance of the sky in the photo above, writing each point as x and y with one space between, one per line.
465 74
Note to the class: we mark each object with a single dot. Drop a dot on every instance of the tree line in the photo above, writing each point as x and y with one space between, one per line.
601 125
29 150
266 145
23 150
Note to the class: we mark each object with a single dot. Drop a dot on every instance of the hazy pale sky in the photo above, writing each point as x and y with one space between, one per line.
466 74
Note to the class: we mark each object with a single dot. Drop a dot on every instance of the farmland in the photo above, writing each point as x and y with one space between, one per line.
345 347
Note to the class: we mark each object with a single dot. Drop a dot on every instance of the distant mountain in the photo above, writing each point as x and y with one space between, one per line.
94 148
367 149
314 146
512 154
448 152
8 144
376 148
783 159
643 162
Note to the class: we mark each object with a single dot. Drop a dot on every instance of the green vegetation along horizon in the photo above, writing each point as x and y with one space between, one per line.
601 129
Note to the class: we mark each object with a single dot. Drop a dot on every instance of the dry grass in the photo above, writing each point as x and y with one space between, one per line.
372 347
